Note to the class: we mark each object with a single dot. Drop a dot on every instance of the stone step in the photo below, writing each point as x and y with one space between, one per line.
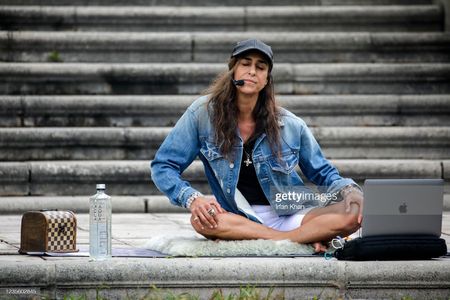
131 143
192 78
405 18
165 110
137 47
80 204
213 2
131 178
121 204
289 278
384 142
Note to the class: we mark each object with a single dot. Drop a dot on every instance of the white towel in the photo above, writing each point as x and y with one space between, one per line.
196 246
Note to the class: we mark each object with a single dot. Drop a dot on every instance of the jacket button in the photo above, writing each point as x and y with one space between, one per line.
228 191
231 166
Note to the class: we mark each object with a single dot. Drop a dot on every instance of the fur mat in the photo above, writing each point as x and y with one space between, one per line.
196 246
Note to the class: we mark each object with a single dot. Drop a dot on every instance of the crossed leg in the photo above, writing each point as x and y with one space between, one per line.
319 224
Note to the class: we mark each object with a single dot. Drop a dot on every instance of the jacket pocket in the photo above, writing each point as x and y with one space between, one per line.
287 163
215 159
210 151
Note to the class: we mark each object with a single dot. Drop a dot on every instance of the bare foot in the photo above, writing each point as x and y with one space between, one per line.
319 247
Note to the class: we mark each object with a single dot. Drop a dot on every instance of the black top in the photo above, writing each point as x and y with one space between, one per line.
248 183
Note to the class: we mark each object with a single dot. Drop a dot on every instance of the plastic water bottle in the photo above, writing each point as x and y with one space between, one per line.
100 211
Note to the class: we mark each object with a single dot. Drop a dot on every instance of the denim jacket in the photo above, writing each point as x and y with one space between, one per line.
193 135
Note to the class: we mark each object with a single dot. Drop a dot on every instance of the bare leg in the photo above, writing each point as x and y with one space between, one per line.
320 224
235 227
325 223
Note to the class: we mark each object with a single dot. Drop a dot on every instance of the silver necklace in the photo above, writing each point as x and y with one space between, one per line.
248 161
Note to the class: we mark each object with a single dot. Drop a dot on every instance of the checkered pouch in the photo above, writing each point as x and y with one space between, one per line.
48 231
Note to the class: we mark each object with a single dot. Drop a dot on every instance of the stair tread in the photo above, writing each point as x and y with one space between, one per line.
162 40
215 2
164 110
218 10
129 47
84 66
192 78
50 143
259 18
121 204
186 71
124 171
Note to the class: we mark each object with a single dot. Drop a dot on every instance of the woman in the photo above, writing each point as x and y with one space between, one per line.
249 148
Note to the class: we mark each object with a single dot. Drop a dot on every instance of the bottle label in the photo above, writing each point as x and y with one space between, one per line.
102 240
98 214
99 232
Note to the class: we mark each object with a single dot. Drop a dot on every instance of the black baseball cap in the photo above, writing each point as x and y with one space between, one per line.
254 44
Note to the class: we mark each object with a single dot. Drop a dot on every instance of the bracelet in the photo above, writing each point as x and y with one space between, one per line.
348 189
191 199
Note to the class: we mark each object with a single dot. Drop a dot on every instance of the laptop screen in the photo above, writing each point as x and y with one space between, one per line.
402 206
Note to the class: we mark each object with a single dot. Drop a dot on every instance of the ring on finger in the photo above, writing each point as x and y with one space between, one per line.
212 212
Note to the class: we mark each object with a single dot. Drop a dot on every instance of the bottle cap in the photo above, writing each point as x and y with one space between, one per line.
101 186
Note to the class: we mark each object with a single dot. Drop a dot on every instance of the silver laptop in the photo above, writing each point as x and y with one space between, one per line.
402 206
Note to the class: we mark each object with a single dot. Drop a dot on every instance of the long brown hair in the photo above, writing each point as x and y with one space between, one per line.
223 110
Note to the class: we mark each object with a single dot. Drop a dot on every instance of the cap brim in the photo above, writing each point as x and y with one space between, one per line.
240 52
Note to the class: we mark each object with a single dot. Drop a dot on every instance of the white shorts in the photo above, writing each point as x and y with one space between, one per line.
282 223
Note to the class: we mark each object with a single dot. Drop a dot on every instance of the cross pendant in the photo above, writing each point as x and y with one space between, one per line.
247 162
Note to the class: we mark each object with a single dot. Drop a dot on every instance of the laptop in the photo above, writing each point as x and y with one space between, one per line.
402 206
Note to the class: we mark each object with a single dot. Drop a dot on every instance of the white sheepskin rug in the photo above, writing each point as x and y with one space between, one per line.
196 246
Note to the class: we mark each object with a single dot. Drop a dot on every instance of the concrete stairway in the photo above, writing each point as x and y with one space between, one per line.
89 89
88 92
